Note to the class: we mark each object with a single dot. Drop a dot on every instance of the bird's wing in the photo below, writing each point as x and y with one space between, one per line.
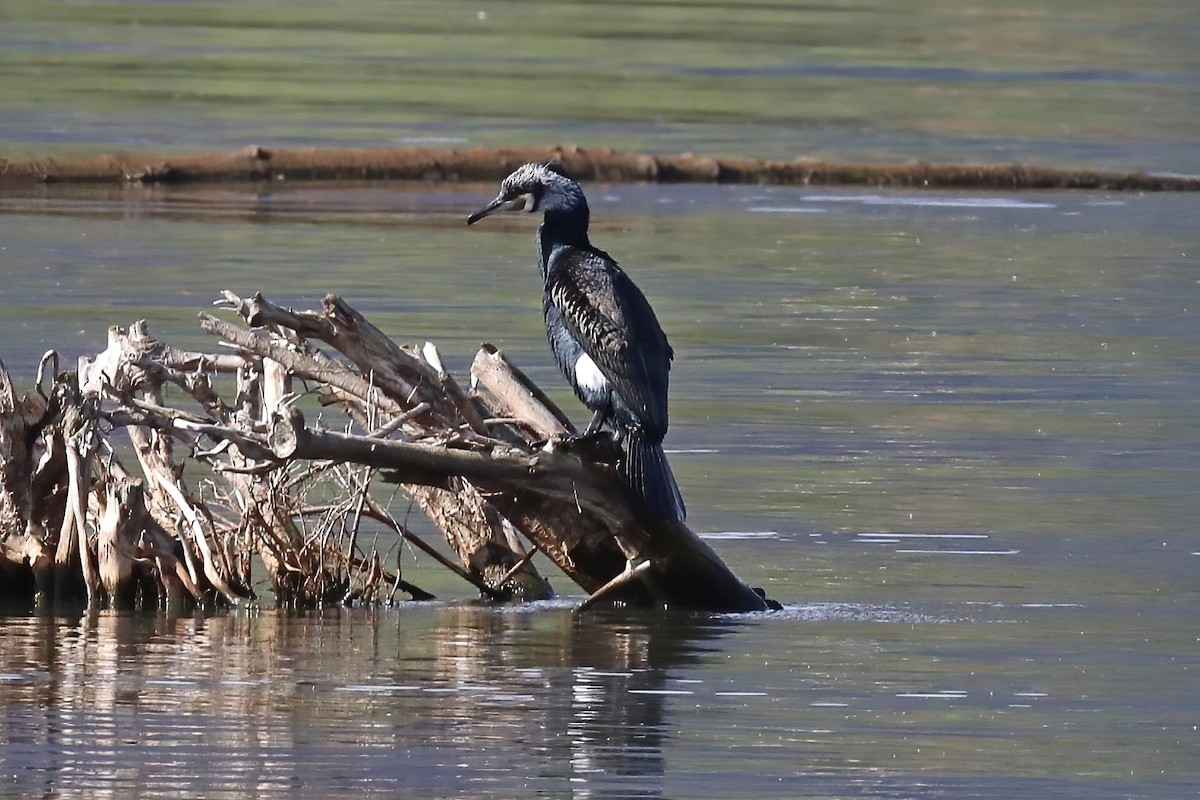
611 318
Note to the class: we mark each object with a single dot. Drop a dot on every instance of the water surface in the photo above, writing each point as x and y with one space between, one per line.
954 433
1103 84
816 701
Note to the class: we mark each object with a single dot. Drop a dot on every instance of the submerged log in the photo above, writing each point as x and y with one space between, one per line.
600 164
485 466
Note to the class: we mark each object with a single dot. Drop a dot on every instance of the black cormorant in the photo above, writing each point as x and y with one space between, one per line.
603 332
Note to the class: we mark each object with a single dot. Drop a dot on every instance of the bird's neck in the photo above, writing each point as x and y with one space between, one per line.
561 229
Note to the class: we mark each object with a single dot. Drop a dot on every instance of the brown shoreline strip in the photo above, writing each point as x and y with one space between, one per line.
490 164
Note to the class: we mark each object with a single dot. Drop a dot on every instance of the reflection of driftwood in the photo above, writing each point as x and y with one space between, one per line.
229 488
484 164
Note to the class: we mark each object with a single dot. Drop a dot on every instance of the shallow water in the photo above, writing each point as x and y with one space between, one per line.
954 433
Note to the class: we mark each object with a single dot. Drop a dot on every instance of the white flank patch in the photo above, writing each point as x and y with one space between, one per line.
588 375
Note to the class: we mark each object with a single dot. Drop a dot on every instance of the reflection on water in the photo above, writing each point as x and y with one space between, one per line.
435 702
815 701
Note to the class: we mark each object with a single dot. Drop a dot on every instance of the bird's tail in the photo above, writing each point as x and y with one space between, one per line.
649 475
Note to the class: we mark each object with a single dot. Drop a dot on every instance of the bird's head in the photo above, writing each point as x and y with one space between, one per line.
543 186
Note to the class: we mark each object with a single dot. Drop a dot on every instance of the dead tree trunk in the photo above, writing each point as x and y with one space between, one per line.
576 511
230 483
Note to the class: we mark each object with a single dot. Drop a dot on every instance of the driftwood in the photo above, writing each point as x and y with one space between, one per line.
236 485
601 164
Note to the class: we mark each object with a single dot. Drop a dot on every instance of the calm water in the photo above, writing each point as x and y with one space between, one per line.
955 434
1076 82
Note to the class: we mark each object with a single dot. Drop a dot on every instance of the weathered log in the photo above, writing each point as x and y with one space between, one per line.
516 399
27 494
418 398
394 371
158 568
682 569
599 164
134 362
483 466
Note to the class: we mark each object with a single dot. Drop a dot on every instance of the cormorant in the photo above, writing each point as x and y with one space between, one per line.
603 332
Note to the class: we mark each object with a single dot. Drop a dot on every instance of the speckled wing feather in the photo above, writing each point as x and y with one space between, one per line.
611 318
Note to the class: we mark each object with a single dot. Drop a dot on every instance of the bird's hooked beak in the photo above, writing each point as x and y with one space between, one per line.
519 202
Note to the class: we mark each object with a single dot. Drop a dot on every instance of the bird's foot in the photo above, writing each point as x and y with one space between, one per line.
598 447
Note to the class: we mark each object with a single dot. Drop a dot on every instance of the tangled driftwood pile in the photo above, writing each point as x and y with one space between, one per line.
234 486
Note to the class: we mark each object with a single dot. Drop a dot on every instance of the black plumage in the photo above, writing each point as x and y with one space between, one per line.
604 334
